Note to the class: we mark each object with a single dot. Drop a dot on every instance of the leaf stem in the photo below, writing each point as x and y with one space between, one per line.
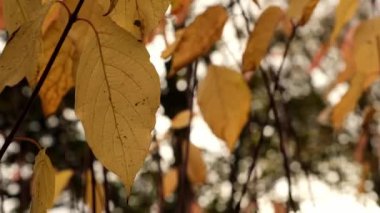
30 140
41 81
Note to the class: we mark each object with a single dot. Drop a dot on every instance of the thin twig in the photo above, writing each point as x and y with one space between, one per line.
41 81
106 190
93 181
192 84
255 156
287 48
286 166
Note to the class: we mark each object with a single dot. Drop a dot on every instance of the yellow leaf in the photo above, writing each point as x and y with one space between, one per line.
172 47
18 12
61 76
344 12
42 184
139 17
62 178
224 100
348 102
196 168
170 182
20 54
181 120
261 37
308 11
199 37
117 96
300 11
99 194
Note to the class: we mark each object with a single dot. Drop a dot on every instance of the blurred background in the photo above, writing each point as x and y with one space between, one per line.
331 170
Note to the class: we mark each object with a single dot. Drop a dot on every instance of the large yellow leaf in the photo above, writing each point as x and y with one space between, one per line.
196 168
224 100
117 95
170 182
261 37
17 12
20 54
42 183
199 36
139 17
300 11
344 12
99 194
62 178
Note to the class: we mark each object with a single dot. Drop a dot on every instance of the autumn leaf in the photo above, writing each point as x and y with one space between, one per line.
139 17
19 57
181 120
117 95
224 100
300 11
345 11
199 37
61 76
18 12
261 37
196 168
180 9
42 184
170 182
99 194
62 178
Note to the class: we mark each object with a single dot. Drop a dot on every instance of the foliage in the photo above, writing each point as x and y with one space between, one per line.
92 56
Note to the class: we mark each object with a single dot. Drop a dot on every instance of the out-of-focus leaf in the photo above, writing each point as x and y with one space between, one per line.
196 168
300 11
172 47
199 37
170 182
139 17
99 194
117 95
344 12
224 100
261 37
181 120
42 184
180 9
367 58
62 178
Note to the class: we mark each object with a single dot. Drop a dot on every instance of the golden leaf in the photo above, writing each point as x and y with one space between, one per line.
139 17
199 37
261 37
366 58
42 184
300 11
19 57
99 194
170 182
196 168
344 12
62 178
117 95
224 100
18 12
181 120
348 102
61 76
